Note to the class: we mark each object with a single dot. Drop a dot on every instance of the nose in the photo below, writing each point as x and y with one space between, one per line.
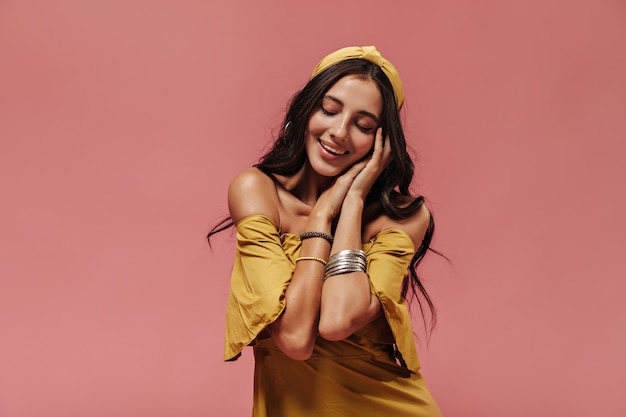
339 128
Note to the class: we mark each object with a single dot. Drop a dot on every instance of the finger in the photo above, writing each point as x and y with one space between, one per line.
345 181
378 154
378 141
387 151
385 147
356 168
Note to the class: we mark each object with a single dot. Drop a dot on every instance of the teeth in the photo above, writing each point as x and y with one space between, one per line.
333 151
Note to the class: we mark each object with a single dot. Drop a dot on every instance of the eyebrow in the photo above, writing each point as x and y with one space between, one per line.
363 112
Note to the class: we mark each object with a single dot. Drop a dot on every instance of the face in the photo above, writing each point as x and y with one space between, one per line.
342 128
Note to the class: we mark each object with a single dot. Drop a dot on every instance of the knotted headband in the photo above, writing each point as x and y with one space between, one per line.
371 54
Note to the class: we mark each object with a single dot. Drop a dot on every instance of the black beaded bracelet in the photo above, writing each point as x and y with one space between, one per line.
307 235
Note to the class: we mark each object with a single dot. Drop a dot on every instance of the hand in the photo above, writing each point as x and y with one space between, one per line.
357 180
330 201
374 166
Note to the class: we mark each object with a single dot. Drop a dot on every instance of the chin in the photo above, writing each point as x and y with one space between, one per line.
325 170
328 172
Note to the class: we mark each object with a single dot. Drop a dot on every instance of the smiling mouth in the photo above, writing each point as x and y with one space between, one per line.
332 150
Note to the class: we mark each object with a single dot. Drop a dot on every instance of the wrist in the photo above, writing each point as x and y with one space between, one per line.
324 213
354 199
319 222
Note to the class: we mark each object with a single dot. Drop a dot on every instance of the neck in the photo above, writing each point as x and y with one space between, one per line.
306 185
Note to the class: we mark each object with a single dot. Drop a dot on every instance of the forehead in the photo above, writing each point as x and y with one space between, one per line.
357 92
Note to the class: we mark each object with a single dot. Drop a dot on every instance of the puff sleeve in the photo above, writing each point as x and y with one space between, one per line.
260 276
388 256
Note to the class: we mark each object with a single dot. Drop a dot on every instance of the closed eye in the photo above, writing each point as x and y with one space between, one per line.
326 112
363 129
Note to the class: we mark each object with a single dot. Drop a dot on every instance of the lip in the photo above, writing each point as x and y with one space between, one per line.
329 149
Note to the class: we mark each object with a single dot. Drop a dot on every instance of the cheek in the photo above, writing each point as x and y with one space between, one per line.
364 144
315 123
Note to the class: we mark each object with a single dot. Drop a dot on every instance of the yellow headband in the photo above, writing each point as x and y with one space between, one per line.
371 54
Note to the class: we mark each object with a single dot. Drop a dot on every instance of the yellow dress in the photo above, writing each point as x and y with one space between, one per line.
374 372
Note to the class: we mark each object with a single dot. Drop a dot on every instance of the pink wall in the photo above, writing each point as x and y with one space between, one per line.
121 123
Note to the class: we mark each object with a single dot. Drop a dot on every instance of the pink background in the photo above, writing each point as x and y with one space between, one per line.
121 123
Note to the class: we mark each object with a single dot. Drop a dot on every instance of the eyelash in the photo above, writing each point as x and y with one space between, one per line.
326 112
361 128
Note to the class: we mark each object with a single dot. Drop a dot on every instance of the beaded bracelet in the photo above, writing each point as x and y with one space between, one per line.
326 236
311 258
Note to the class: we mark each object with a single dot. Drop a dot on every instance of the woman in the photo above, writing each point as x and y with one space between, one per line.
325 312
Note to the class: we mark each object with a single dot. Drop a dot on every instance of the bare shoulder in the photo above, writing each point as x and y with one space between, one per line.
252 192
415 225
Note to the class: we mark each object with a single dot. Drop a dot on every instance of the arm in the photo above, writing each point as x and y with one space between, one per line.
347 302
252 192
296 329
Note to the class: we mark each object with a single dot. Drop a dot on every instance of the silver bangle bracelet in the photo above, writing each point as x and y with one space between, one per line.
342 271
346 264
345 261
349 252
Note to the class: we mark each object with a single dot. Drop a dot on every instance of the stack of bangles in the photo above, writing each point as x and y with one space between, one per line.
348 260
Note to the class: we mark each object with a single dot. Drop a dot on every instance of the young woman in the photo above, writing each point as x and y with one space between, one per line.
328 241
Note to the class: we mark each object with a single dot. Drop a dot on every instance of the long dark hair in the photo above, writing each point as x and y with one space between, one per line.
391 188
